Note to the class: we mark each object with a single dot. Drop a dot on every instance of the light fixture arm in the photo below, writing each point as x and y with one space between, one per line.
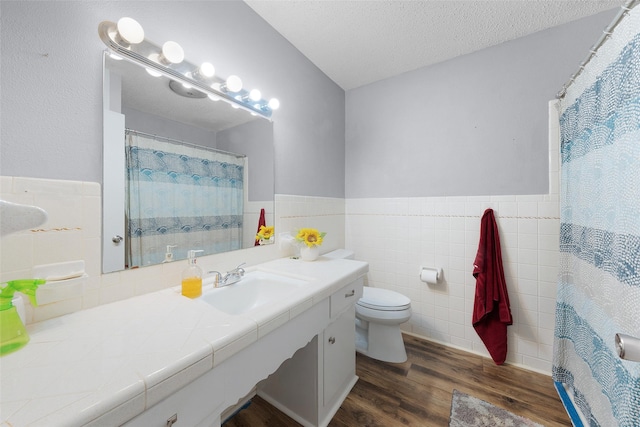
183 72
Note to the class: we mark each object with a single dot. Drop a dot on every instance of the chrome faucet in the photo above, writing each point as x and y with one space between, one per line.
230 277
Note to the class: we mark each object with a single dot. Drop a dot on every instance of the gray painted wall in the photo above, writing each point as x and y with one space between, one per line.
156 125
51 78
255 140
474 125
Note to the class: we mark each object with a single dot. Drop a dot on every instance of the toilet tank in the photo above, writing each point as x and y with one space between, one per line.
341 254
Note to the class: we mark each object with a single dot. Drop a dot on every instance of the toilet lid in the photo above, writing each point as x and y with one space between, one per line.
383 299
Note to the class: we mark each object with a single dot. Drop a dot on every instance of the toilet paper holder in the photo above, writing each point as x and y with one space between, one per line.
431 275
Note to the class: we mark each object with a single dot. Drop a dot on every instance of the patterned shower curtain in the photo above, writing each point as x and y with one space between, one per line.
180 195
599 281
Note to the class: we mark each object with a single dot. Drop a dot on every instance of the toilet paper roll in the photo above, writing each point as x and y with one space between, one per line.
430 275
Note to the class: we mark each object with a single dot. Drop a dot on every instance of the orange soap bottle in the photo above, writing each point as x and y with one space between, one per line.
192 277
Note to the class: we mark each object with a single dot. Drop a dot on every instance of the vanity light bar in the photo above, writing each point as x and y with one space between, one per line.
139 50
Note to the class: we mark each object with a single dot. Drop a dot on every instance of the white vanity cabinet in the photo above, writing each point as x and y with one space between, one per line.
318 349
296 350
201 402
311 386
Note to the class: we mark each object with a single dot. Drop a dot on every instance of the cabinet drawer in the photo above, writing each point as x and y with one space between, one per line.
192 405
346 297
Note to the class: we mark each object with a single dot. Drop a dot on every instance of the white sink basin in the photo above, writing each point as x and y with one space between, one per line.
256 289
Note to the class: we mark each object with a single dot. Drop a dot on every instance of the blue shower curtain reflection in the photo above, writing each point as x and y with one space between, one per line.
180 195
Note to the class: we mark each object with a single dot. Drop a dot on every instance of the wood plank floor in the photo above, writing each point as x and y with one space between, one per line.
418 392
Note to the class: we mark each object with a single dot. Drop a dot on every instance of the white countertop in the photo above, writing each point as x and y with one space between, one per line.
117 360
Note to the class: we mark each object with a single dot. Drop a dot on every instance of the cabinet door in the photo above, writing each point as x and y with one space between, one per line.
339 355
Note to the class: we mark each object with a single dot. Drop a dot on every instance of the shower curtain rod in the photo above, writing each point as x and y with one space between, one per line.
177 141
605 35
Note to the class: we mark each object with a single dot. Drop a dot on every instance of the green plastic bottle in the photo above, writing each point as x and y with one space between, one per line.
13 334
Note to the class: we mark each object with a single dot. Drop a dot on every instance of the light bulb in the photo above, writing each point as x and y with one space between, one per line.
130 31
274 104
207 70
255 95
172 53
153 73
233 84
155 57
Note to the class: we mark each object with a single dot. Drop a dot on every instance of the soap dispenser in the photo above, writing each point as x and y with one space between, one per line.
168 256
13 335
192 277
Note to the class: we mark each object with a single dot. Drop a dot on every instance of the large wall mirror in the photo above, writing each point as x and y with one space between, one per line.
181 170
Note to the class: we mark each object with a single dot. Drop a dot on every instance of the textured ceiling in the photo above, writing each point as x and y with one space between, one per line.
358 42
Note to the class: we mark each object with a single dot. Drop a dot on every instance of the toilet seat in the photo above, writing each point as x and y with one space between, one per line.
383 300
383 317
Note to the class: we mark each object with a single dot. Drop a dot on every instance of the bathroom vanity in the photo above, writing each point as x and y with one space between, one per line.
162 359
311 386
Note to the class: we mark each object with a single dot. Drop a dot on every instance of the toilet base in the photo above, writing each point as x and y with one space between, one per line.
381 342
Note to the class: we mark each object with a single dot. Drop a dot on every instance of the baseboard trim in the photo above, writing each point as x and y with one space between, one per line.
457 347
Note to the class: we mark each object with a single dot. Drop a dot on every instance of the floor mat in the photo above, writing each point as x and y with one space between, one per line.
468 411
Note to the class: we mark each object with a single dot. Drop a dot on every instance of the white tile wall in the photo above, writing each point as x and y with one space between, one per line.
322 213
74 218
444 232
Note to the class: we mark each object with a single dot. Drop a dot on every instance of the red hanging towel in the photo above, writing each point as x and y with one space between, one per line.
491 311
261 222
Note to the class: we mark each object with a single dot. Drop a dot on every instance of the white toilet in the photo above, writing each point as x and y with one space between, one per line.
379 314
